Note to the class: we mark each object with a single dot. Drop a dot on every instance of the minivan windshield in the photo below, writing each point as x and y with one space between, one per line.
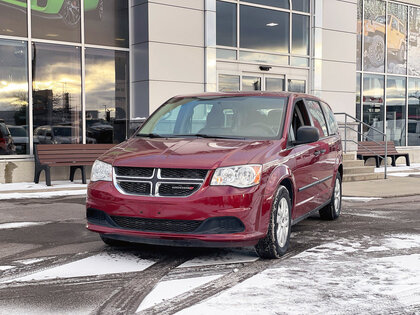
237 117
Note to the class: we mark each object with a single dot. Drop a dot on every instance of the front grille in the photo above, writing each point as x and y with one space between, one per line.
177 189
165 182
136 188
134 171
182 173
157 225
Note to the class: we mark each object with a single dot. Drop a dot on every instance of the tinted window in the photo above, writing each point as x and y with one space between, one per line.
329 116
317 118
106 22
298 86
300 30
300 5
56 20
263 29
228 82
13 21
272 3
226 24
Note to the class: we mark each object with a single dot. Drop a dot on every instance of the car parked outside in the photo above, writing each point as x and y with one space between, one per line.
20 138
58 134
7 147
220 169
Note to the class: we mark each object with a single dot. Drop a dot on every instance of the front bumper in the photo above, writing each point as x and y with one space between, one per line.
210 205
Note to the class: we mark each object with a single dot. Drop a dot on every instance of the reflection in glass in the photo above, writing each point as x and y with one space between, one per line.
56 94
358 103
272 3
263 29
263 58
300 5
359 36
225 54
251 83
373 106
374 36
56 20
225 24
397 38
13 98
228 83
413 112
395 110
300 34
414 41
299 62
13 19
106 95
298 86
106 22
274 84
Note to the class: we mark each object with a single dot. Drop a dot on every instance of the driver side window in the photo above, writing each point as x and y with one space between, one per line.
300 118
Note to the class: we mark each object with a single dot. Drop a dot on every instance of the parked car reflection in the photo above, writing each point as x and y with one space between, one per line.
59 135
100 130
20 138
7 146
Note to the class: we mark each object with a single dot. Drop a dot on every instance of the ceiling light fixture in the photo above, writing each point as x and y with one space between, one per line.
272 24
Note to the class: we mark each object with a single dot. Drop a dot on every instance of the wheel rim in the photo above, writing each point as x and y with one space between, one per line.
71 14
337 196
282 222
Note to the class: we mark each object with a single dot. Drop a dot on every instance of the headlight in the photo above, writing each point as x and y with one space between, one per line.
237 176
101 171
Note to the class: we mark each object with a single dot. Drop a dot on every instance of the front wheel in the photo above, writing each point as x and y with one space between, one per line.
333 209
276 242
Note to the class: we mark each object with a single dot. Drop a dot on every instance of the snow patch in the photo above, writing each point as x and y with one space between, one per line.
169 289
230 257
46 194
28 186
3 268
30 261
101 264
365 199
17 225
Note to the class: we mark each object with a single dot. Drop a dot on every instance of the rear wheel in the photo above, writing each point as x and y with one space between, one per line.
276 242
333 209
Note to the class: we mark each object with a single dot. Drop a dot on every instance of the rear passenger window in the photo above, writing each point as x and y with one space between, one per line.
329 116
318 118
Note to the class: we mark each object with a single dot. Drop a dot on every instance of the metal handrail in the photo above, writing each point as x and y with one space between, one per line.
361 123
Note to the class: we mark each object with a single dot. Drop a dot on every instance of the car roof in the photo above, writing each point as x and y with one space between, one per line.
247 93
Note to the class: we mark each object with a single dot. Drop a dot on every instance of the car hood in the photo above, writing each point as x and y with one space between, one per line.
197 153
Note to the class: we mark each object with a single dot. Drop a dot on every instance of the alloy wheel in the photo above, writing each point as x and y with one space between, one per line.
282 222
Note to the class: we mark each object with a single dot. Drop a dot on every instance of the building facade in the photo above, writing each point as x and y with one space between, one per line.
79 71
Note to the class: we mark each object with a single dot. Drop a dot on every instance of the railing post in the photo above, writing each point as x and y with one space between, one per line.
345 133
386 156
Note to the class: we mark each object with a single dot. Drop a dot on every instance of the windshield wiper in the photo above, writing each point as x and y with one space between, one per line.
202 135
150 135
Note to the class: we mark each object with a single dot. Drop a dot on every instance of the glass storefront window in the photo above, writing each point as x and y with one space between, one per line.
225 24
229 83
56 20
284 4
106 22
263 58
395 110
300 5
13 98
251 83
359 36
374 29
57 116
298 86
300 34
414 42
226 54
373 106
413 130
263 29
106 86
274 84
13 21
397 38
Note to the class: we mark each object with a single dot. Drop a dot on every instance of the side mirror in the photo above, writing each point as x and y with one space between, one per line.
307 134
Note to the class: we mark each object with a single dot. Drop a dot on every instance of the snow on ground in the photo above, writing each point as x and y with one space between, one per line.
363 199
229 257
103 263
47 194
412 169
333 278
17 225
168 289
3 268
32 186
30 261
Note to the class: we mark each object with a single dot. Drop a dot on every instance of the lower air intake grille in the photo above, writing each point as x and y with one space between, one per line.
136 188
177 190
157 225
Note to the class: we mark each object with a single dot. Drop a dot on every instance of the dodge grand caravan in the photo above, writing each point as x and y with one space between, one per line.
220 170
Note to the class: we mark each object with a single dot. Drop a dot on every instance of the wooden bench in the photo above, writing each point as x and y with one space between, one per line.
77 156
376 149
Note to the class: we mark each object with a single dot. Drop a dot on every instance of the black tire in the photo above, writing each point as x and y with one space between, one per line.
269 247
70 13
376 51
111 242
333 209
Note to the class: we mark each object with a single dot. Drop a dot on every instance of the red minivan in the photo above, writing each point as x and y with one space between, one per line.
220 170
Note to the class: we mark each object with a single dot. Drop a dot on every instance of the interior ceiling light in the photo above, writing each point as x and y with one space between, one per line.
272 24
